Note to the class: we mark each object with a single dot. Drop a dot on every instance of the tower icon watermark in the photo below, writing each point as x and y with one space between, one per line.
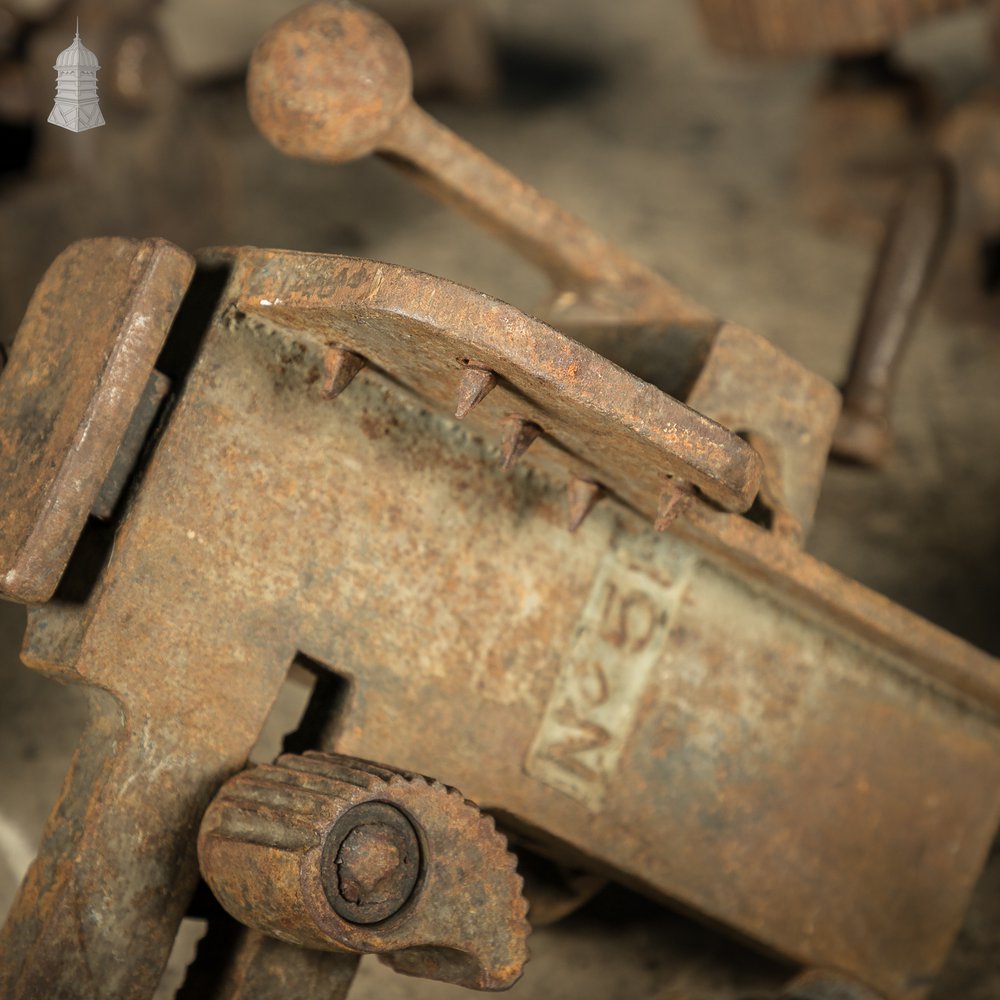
76 106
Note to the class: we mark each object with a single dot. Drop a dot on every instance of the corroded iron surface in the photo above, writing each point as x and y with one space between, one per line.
604 424
85 351
248 965
331 82
706 714
303 848
791 429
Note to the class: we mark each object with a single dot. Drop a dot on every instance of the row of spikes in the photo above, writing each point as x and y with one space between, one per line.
341 366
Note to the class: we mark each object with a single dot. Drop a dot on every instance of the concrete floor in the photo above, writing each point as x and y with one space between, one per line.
689 161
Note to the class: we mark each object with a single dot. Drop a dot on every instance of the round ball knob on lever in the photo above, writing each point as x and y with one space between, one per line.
328 82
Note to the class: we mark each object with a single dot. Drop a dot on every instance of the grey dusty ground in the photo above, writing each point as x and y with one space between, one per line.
689 161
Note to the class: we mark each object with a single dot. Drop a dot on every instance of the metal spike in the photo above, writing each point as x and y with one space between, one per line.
515 442
340 367
474 387
674 500
582 495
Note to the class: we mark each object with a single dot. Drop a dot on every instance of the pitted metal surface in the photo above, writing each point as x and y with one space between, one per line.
630 688
820 764
274 847
331 82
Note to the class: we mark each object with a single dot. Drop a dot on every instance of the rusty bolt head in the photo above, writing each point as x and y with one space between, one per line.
328 82
371 863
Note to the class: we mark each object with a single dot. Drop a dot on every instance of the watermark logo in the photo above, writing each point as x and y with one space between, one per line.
76 106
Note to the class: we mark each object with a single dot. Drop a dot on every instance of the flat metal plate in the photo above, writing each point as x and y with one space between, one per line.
79 364
749 385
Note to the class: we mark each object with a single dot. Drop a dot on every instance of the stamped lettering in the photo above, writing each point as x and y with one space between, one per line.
621 634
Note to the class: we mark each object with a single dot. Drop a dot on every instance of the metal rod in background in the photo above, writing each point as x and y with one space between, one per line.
908 260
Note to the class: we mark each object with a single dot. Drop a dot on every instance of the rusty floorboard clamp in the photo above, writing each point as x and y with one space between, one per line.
332 82
706 714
